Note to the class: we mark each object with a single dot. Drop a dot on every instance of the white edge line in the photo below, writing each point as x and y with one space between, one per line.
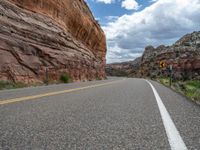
174 138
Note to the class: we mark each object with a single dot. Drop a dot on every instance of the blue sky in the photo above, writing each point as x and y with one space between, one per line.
101 10
131 25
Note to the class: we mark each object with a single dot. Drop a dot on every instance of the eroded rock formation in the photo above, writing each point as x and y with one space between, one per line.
184 56
60 36
123 69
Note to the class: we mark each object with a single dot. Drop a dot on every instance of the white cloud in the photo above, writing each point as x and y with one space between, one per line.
163 22
97 19
152 1
106 1
111 18
117 54
130 5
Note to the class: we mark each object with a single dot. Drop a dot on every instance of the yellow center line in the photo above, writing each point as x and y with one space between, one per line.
26 98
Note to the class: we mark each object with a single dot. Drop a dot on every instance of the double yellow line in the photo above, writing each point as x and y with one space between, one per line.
26 98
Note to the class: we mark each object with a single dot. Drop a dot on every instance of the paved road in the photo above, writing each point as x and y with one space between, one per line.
115 114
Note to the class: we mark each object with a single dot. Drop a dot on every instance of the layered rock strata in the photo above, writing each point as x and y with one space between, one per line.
184 56
50 37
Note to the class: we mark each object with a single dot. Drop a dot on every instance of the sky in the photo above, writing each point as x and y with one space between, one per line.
131 25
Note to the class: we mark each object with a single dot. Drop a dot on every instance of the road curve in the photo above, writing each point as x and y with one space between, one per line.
117 114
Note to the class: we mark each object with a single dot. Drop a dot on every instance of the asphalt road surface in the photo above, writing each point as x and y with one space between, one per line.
114 114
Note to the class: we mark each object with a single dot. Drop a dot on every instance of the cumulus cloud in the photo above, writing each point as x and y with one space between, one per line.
163 22
111 18
153 1
106 1
130 4
115 54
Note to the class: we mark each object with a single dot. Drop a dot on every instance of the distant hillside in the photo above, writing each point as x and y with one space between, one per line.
124 68
184 56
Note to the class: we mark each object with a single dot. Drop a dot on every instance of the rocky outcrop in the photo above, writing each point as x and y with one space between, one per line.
60 36
123 69
118 69
184 56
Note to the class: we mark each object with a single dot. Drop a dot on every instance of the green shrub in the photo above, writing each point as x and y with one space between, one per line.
4 84
98 78
194 83
11 85
193 93
64 78
190 88
164 81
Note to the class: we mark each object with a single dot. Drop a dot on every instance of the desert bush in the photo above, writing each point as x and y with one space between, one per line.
11 85
64 78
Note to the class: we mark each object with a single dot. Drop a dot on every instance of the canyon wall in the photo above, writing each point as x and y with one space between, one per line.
124 68
184 56
50 37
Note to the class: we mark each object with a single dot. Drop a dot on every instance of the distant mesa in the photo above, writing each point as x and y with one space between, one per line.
50 37
184 56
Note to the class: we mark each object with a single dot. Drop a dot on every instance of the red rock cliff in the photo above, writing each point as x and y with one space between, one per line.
184 56
59 35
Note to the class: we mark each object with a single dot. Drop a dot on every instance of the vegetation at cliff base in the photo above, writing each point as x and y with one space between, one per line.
190 88
64 78
10 85
194 83
164 81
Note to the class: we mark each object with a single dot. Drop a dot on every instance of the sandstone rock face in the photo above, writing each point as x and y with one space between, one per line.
60 36
184 56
